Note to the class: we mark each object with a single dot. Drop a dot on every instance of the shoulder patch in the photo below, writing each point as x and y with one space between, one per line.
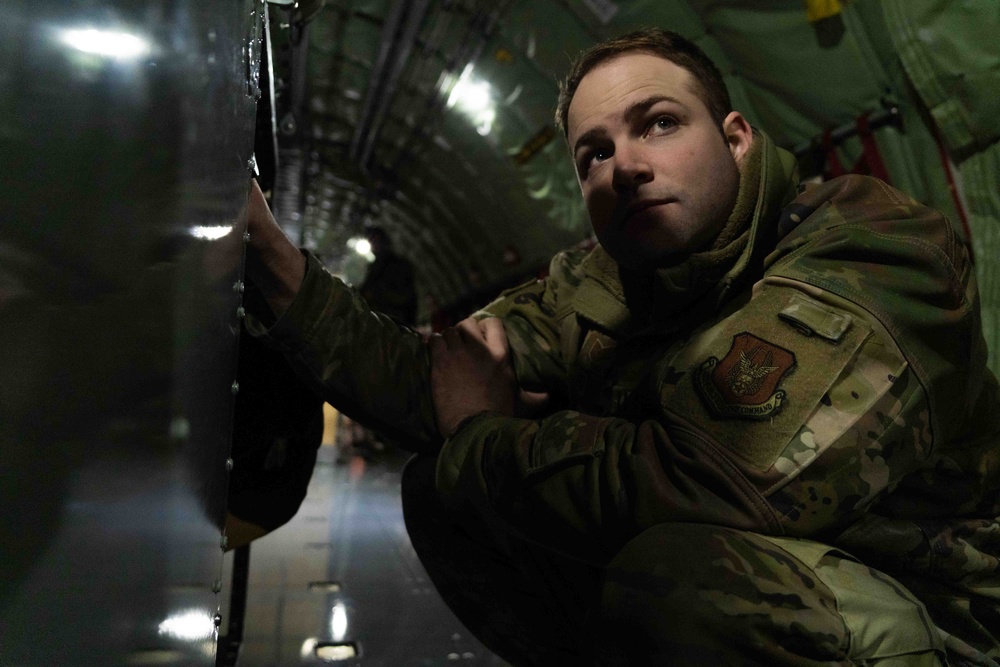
597 349
753 379
744 383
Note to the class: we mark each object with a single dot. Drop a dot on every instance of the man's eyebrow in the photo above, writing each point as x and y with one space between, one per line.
588 137
634 110
640 107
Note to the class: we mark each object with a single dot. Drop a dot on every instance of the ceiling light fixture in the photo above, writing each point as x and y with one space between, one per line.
474 98
362 246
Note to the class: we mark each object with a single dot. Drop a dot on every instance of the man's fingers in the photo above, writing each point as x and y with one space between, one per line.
469 329
485 334
492 331
258 210
531 403
496 338
451 337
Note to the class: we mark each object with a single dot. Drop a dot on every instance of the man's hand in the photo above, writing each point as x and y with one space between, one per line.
273 262
471 372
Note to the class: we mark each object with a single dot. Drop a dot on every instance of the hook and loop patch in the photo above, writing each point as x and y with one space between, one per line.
744 384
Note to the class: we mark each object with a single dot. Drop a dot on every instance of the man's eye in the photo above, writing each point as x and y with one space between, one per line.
662 124
600 155
592 157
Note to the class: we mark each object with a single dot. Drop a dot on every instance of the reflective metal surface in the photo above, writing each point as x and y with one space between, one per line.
126 129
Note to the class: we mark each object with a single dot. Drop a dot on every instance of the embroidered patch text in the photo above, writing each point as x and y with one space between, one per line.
744 384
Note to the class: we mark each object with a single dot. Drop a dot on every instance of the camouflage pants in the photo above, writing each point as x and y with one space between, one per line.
678 594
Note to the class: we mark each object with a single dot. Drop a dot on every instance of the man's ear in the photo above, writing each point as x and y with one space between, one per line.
738 134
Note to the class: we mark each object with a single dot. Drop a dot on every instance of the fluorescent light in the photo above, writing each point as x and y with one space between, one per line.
470 94
486 122
474 98
362 246
108 43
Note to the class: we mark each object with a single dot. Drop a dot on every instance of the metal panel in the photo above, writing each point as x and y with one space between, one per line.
126 129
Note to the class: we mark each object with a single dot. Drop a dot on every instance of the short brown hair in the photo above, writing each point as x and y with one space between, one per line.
655 41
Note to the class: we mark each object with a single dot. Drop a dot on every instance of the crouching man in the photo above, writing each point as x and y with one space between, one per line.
752 426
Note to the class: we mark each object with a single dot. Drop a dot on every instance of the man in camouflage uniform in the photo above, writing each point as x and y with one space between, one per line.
762 429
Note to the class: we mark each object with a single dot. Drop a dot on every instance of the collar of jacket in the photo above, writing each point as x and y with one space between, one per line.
602 298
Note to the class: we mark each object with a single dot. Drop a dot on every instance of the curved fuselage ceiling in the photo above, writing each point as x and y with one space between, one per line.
434 119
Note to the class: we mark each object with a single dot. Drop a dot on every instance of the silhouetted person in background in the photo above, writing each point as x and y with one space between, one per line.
389 285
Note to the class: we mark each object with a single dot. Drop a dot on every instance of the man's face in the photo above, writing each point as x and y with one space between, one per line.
658 176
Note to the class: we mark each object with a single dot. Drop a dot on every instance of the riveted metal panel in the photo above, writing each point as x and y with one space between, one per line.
126 134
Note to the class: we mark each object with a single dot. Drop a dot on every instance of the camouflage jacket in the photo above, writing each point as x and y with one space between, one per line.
833 386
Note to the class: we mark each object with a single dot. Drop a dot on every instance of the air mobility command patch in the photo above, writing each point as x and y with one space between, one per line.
744 384
754 378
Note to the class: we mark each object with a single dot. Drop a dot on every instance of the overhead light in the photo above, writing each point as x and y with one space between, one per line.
474 98
107 43
362 246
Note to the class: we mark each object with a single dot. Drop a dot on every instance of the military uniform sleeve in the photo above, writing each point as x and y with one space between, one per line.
359 361
535 318
902 268
584 485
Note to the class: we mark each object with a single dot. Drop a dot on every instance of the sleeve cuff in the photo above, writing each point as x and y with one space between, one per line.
295 327
467 457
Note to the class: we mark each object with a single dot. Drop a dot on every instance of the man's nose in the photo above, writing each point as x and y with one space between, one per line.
631 170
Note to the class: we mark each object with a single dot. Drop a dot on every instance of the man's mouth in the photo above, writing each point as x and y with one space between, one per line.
637 207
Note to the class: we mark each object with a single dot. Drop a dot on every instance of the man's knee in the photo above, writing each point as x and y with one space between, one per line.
423 513
417 481
697 594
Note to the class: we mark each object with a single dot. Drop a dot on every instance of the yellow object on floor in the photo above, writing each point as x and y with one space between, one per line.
817 10
330 415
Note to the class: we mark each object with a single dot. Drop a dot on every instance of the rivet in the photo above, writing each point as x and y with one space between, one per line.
224 542
246 237
217 620
216 585
235 388
229 464
241 312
